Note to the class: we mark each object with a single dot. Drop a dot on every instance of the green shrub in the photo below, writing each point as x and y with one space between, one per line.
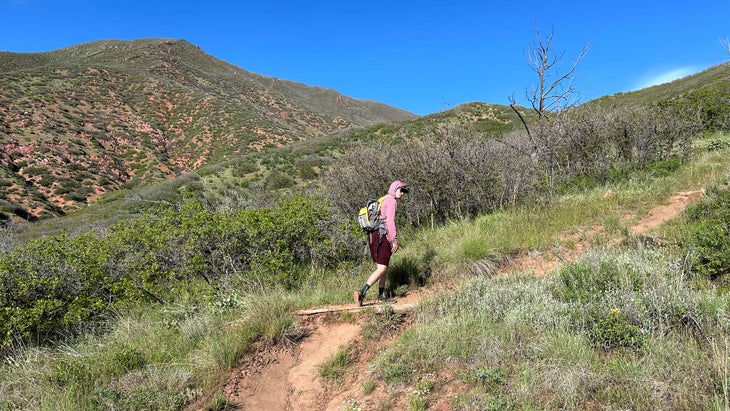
717 145
71 372
618 299
54 284
581 282
127 359
490 377
368 387
707 237
664 167
278 180
242 169
60 190
608 329
306 172
34 171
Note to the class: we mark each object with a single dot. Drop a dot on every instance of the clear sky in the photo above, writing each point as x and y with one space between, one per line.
422 56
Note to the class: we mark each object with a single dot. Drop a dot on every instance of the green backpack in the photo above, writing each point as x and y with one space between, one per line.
369 216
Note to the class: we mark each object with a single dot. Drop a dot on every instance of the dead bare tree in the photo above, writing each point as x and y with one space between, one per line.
553 93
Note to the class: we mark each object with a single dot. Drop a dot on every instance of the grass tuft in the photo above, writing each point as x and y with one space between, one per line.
335 368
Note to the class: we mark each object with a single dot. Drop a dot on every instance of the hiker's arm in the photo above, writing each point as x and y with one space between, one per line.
388 208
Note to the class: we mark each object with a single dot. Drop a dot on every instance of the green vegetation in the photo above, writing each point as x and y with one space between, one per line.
53 285
603 330
706 239
459 172
606 329
148 311
336 367
140 111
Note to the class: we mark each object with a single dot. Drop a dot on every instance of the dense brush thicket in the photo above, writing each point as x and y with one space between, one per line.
55 284
456 173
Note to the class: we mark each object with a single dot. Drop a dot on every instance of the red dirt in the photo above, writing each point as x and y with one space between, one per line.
662 213
282 378
290 379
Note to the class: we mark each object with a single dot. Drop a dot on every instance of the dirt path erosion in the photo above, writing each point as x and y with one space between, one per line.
664 212
306 386
288 379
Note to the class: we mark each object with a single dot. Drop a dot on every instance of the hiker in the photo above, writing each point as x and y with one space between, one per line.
383 242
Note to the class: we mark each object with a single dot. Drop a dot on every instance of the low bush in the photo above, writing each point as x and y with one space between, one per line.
53 285
458 172
625 297
706 238
609 329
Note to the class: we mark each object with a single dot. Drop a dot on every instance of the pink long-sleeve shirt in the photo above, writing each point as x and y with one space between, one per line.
387 211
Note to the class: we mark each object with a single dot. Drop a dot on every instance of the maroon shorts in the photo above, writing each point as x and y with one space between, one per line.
379 250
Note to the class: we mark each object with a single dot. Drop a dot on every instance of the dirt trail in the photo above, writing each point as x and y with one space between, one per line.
288 378
541 263
291 380
662 213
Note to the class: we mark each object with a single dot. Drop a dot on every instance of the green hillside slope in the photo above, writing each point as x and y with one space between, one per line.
716 79
81 121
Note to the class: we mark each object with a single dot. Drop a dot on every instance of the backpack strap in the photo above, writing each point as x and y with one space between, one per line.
381 226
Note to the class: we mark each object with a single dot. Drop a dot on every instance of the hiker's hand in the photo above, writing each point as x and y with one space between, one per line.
394 247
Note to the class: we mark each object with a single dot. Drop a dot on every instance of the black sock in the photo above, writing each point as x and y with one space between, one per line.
381 291
364 289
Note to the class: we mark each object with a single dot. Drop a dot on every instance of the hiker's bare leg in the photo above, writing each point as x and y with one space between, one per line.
378 275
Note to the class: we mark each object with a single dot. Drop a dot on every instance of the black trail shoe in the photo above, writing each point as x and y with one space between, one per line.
383 298
359 298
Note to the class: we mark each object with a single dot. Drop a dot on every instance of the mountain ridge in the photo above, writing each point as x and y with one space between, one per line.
86 119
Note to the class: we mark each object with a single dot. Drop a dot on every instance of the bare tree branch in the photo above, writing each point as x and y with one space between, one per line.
556 95
512 104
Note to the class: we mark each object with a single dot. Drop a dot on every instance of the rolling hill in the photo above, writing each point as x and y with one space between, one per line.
79 122
102 117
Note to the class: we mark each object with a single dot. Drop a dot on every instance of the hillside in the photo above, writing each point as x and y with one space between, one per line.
88 119
715 79
259 175
110 116
475 339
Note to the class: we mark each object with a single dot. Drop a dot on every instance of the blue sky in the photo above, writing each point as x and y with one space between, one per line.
422 56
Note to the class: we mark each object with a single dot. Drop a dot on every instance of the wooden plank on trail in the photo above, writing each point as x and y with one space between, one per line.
399 308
